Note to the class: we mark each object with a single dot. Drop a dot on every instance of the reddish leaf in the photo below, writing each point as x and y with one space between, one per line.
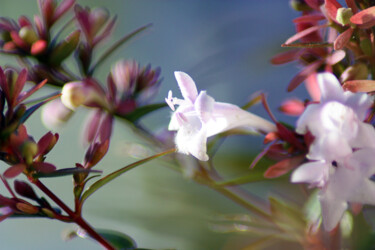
62 9
315 4
44 167
25 190
331 7
364 18
343 39
14 170
304 33
309 18
335 57
44 143
360 86
18 86
18 40
285 57
351 4
303 74
284 166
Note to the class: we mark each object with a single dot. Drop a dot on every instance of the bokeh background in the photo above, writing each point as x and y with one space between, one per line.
226 47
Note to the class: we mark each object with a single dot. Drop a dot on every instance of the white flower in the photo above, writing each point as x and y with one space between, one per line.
343 150
337 121
199 117
341 182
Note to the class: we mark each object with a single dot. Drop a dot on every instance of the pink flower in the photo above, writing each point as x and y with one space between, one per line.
199 116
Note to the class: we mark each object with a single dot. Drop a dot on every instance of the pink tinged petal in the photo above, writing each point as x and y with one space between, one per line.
227 116
176 117
294 107
309 120
312 86
14 170
330 88
204 105
365 137
332 209
187 86
303 74
360 103
326 148
315 173
55 114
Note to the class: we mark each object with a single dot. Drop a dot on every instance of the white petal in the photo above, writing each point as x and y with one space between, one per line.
187 86
330 88
227 116
312 172
332 209
204 105
197 145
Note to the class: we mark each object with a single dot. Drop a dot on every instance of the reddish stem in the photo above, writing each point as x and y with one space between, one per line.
77 218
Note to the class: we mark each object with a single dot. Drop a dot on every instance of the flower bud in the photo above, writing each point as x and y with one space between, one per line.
75 94
358 71
299 5
28 34
28 150
343 15
27 208
25 190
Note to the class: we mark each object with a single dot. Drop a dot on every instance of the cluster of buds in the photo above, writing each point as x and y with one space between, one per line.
129 87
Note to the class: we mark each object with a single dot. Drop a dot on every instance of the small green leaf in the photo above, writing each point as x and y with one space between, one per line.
98 184
65 48
65 171
116 45
144 110
117 239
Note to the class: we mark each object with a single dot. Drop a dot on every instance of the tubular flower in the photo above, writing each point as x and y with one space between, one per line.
342 152
199 116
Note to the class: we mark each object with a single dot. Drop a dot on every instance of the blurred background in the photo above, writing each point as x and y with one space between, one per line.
226 47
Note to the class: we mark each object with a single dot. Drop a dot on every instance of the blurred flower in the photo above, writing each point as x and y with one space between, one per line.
199 117
131 86
337 121
342 152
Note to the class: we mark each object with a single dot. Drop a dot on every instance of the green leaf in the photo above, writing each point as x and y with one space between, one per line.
65 171
253 177
144 110
117 239
106 179
116 45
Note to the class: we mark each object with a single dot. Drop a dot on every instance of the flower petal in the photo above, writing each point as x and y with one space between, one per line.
204 105
313 172
187 86
330 88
